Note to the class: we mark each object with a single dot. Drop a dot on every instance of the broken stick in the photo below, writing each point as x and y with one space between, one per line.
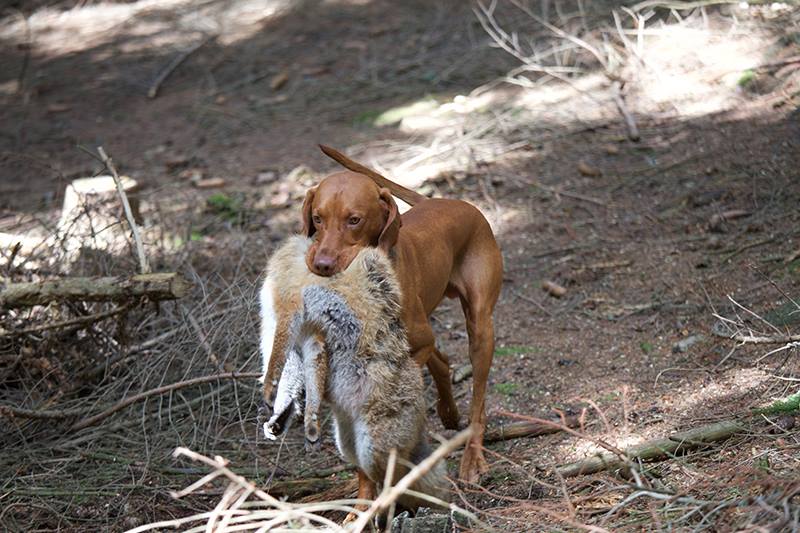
144 266
630 122
155 287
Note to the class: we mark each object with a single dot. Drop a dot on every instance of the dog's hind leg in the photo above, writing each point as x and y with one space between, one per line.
480 278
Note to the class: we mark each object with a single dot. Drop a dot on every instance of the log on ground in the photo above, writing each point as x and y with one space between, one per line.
655 449
519 430
155 287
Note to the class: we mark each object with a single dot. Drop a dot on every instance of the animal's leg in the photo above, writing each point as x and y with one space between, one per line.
446 407
367 490
481 275
420 337
274 359
315 366
287 400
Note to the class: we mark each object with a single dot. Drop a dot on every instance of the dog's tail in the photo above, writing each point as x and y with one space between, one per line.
407 195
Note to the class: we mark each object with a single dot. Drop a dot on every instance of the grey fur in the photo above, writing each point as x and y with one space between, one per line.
373 386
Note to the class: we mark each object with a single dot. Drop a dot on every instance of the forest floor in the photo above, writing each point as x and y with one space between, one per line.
667 246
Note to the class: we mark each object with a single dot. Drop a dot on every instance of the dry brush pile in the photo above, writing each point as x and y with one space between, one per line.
97 390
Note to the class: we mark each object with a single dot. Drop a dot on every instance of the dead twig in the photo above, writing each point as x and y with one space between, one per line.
541 307
630 122
560 192
92 420
202 338
388 497
80 321
152 92
221 465
144 267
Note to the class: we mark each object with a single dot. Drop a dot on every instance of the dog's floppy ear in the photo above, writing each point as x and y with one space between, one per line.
308 222
391 229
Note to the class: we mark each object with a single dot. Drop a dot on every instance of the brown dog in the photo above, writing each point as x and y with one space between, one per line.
445 248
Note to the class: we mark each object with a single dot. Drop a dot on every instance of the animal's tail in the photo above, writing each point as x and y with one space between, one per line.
407 195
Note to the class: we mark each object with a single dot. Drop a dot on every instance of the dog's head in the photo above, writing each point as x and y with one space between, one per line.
345 213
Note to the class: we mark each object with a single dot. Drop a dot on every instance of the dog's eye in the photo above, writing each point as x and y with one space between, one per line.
317 220
353 220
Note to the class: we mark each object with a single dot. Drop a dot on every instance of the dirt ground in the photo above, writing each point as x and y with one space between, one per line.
666 247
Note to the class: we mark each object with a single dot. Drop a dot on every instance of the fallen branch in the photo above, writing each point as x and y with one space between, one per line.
80 321
221 465
519 430
654 449
155 287
755 339
57 414
152 92
559 426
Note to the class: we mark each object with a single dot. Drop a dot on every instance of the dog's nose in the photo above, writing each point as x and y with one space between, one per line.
324 265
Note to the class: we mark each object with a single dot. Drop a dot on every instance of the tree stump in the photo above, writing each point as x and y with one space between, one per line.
92 222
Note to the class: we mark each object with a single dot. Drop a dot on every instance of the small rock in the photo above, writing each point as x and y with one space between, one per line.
192 174
281 196
554 289
588 170
58 108
266 177
355 45
300 174
683 345
210 183
461 373
714 242
176 161
717 221
705 198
